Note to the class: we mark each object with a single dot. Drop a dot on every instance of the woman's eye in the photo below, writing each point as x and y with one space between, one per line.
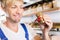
13 7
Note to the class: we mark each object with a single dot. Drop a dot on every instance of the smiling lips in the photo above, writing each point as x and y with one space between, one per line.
17 16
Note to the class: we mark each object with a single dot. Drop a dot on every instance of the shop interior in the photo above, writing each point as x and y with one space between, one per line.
49 7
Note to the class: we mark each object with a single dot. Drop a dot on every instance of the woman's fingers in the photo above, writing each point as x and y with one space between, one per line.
48 21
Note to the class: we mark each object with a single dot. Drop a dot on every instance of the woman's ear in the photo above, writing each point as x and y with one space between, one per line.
3 6
4 10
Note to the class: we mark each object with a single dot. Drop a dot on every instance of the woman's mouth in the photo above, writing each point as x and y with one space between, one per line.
17 16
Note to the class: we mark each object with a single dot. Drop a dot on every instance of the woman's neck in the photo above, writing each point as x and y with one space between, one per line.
12 25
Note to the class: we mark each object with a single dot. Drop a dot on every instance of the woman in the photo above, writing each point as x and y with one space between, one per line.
13 30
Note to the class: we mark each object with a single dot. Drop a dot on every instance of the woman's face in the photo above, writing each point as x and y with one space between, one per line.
15 11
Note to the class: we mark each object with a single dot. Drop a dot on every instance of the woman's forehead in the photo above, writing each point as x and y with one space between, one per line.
11 2
17 3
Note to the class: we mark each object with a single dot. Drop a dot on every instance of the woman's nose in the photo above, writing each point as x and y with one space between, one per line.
19 10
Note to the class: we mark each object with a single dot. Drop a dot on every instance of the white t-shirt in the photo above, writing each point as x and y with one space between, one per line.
20 35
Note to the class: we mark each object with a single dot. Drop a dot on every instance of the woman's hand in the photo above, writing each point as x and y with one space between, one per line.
46 27
48 23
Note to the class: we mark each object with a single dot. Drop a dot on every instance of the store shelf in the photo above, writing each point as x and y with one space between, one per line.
30 3
54 15
52 32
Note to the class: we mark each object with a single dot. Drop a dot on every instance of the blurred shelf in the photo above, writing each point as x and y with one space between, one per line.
51 10
52 32
56 25
35 2
32 3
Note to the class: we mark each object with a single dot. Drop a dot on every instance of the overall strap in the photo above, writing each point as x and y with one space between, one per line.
26 31
2 36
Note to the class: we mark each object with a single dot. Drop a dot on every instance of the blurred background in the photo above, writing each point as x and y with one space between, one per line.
49 7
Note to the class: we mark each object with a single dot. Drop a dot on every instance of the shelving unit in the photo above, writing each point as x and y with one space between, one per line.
37 7
33 3
53 32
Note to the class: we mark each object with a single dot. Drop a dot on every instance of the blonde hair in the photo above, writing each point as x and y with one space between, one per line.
9 2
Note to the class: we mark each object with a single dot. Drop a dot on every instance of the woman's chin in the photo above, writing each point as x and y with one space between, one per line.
16 21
